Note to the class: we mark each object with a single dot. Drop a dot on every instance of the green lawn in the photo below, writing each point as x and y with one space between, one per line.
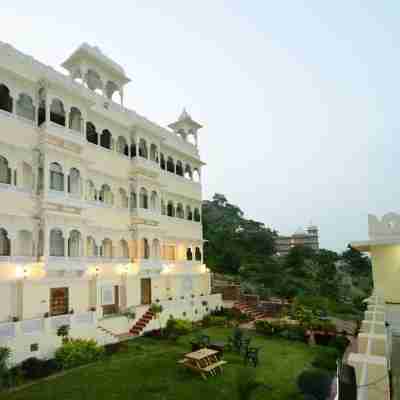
149 371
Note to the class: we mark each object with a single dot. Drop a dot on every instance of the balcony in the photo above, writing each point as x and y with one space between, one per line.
63 133
63 264
17 259
181 185
148 266
145 216
140 165
66 199
184 267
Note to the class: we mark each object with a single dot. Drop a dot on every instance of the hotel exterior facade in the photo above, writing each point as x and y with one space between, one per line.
100 207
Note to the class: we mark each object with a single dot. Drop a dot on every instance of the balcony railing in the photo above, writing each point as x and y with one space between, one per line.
63 132
145 166
10 330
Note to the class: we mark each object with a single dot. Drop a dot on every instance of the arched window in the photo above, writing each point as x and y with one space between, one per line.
74 244
40 247
75 119
156 249
25 107
189 255
144 200
197 254
56 243
162 161
5 244
91 134
90 191
188 172
105 139
196 175
163 209
154 201
133 149
170 165
42 106
182 134
153 153
74 182
57 112
133 201
122 146
25 243
56 177
106 195
146 249
106 248
110 89
123 198
179 211
189 213
6 101
123 248
93 81
170 209
5 171
197 217
27 176
91 247
179 168
143 148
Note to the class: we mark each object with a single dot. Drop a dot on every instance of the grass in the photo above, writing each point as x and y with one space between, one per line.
149 371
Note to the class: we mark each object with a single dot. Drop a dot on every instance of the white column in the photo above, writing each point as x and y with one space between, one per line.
66 235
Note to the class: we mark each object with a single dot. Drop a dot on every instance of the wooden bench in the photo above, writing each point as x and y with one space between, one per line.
211 367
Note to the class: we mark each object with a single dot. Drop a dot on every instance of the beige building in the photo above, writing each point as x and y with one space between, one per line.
308 238
100 207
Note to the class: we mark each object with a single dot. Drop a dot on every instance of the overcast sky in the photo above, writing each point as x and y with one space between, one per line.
299 100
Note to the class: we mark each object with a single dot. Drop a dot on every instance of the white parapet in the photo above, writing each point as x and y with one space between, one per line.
371 375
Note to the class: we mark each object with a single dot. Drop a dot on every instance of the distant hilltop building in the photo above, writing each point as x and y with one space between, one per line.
307 238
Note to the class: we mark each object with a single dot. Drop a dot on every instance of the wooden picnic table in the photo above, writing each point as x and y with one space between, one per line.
203 361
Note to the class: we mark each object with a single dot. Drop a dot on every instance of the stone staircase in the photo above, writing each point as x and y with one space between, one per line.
250 311
138 328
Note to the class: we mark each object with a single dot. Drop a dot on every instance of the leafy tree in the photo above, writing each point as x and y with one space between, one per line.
356 262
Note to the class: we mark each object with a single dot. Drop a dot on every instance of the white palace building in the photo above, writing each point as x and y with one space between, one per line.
100 208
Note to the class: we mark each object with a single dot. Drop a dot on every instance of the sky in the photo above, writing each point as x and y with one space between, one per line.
299 99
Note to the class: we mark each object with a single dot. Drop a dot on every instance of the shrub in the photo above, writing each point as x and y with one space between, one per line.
315 382
14 377
117 347
326 360
78 352
217 321
35 368
5 353
156 308
264 327
177 327
340 343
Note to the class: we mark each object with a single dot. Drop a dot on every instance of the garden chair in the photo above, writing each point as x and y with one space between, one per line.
251 356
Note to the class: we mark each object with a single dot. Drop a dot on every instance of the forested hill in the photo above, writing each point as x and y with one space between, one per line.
245 248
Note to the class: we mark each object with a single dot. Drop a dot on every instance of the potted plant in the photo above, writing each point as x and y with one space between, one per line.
192 296
129 313
93 309
14 319
63 331
182 297
71 311
204 303
157 301
170 298
46 315
157 309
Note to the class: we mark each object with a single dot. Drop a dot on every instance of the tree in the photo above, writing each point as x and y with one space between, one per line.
356 262
233 239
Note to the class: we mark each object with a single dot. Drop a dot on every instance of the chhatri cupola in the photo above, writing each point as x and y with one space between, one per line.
186 127
88 65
